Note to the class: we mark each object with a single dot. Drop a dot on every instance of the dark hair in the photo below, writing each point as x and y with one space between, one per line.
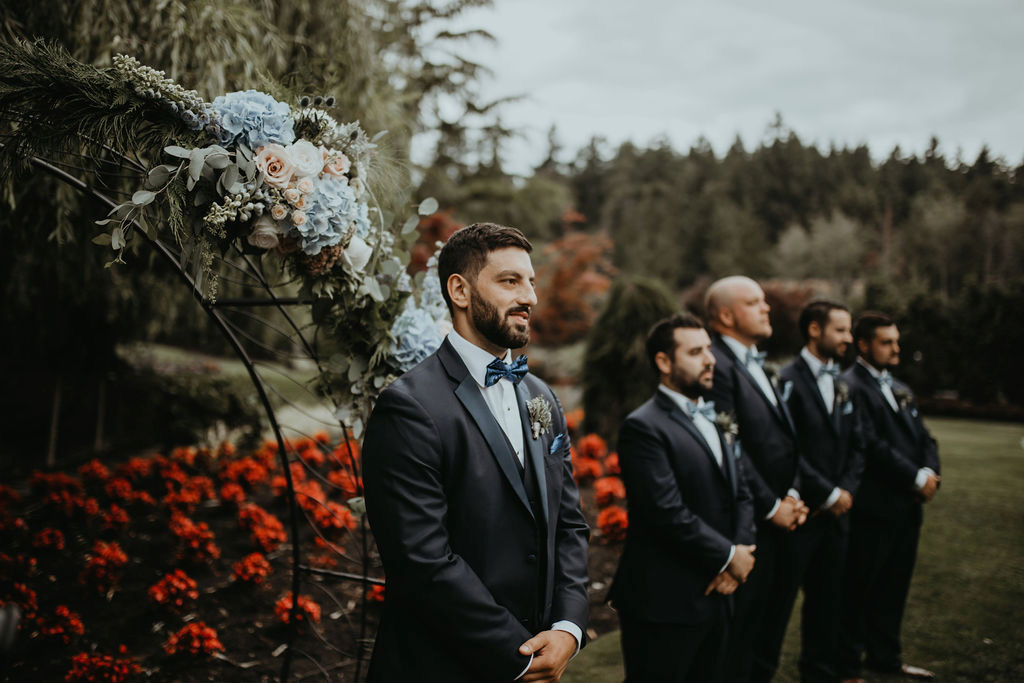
817 312
466 251
867 323
662 337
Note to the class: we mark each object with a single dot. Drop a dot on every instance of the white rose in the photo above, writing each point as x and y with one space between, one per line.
306 158
292 195
264 233
305 185
278 212
358 254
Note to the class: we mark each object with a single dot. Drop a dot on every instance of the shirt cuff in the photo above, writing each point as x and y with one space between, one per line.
528 665
775 508
732 552
922 477
831 500
793 493
572 629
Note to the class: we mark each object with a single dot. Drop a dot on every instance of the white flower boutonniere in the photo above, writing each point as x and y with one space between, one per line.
540 415
728 425
842 391
902 396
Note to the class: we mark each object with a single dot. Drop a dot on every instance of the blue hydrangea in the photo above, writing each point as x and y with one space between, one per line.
331 210
416 335
258 117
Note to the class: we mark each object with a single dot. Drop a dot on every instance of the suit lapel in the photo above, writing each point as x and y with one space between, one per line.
900 414
534 447
728 460
676 414
805 375
468 393
779 411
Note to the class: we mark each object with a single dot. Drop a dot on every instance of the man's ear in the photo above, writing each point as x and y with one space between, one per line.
663 362
725 318
458 290
863 346
814 330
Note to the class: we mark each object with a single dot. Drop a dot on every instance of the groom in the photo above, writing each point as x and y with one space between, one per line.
470 494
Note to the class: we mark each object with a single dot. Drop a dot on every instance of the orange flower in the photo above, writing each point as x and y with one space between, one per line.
252 568
593 446
307 609
611 464
613 522
375 594
196 639
574 419
607 490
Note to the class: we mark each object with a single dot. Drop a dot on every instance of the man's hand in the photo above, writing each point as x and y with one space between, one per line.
551 652
742 562
791 514
931 486
843 504
724 583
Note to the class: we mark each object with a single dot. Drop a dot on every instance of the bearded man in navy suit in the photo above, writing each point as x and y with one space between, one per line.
738 313
832 450
689 542
901 474
470 493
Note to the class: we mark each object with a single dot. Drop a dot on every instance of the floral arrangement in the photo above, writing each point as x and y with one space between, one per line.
196 639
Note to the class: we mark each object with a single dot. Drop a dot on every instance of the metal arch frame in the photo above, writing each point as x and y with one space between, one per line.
211 310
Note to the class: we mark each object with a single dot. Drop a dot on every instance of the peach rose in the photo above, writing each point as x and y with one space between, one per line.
299 218
305 185
278 212
292 195
336 164
276 165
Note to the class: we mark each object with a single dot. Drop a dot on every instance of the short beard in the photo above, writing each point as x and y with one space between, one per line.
499 332
692 389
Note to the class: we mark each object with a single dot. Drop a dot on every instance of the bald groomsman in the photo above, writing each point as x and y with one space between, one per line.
901 473
831 451
738 314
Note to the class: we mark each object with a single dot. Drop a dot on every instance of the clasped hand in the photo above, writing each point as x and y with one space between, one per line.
551 652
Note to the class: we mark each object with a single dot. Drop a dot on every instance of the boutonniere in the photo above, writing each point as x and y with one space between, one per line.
842 391
730 430
540 415
902 396
772 371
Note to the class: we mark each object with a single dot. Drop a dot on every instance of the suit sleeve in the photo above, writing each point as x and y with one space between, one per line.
652 492
878 451
406 505
570 601
931 449
814 487
745 527
854 470
723 394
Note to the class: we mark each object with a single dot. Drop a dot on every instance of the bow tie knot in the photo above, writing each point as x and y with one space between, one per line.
707 409
755 356
498 369
885 380
831 370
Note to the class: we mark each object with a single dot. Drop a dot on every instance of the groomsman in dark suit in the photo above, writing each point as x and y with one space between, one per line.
901 473
688 545
738 313
470 493
831 450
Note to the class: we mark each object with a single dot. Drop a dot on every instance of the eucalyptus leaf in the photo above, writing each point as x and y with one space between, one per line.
410 225
176 151
372 288
428 206
102 222
117 238
143 197
229 177
390 267
158 175
218 160
197 159
102 239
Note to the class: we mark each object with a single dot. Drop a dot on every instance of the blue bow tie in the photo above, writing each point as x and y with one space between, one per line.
829 370
707 409
499 369
885 379
755 357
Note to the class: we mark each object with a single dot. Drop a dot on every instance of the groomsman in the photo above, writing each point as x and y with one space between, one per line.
690 518
901 473
832 459
738 313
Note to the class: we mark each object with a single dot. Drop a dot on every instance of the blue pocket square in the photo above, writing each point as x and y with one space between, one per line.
557 444
787 390
847 408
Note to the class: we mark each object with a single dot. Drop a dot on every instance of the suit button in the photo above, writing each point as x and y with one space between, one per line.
531 558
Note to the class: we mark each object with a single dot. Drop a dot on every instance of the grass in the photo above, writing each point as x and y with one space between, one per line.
963 616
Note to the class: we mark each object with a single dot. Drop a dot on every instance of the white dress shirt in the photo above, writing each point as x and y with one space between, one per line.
827 389
922 474
501 400
757 372
708 430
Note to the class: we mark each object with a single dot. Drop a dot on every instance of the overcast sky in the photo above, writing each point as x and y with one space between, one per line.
881 72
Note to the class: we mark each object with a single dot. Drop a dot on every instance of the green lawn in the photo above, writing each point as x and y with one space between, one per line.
963 616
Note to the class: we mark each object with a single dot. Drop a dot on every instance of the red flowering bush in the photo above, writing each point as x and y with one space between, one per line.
94 472
26 599
375 594
613 522
584 468
43 483
574 419
18 566
196 639
332 515
264 528
186 455
88 668
197 543
49 538
104 565
592 446
607 490
232 493
120 489
611 464
72 504
136 468
309 495
175 589
8 497
245 471
64 624
116 519
346 453
193 490
312 455
307 609
346 482
252 568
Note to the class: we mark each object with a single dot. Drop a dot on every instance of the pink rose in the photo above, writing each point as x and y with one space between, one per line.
305 185
278 212
276 165
292 195
301 203
336 164
299 218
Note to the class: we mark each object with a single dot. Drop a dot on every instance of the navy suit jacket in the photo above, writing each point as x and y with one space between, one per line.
830 442
771 456
685 513
474 567
897 445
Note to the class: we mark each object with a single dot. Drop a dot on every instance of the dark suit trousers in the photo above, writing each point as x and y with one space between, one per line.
675 653
751 602
880 563
813 557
